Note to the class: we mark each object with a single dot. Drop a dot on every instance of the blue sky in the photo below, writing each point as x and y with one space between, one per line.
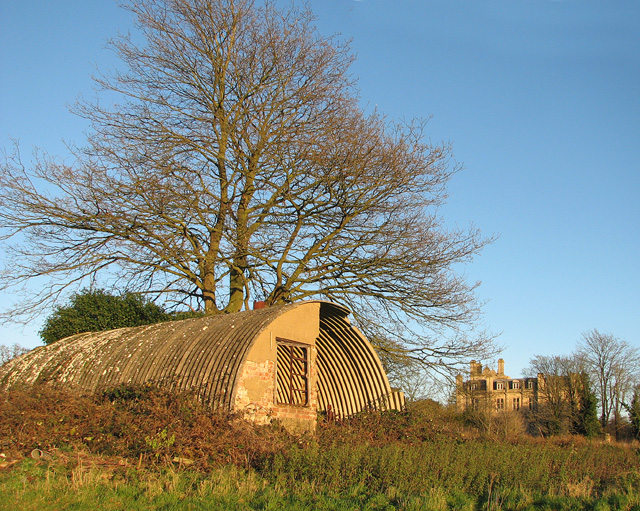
540 99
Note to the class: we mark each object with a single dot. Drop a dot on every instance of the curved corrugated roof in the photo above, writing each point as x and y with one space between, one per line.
206 354
350 375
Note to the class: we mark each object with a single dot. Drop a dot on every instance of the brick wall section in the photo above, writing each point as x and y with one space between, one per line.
255 396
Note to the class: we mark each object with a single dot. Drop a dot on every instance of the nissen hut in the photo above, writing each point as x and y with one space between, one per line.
287 362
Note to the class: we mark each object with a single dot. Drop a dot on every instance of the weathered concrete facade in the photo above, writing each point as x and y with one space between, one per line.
287 363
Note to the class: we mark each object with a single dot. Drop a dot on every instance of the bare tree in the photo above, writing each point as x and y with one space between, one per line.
10 352
417 383
232 162
566 403
614 366
554 413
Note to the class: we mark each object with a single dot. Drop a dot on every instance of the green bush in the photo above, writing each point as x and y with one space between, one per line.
97 310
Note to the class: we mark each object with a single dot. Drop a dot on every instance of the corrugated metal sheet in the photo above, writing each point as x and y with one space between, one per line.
350 375
207 355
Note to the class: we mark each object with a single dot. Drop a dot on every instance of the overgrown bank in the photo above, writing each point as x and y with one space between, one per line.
146 449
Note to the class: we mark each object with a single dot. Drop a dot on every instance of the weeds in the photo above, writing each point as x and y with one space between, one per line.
143 423
160 442
146 448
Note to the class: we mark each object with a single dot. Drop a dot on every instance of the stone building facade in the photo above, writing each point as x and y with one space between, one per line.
494 391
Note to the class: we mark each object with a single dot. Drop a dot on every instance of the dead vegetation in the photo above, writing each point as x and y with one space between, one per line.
143 425
125 436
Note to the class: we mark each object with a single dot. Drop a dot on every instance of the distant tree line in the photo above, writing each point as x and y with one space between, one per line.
566 400
9 352
595 388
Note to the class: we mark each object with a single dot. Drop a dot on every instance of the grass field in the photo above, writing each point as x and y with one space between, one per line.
148 450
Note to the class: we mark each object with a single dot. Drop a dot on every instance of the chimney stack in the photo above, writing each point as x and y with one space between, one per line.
476 367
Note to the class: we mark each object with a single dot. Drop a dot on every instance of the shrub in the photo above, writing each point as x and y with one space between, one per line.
118 422
96 310
412 459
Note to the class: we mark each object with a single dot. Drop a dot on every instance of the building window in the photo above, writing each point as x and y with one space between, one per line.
474 386
516 384
530 384
499 385
500 403
292 373
516 403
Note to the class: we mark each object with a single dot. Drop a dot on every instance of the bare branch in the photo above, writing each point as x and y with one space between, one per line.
235 163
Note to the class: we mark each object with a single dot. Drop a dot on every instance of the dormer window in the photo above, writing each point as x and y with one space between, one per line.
516 384
499 385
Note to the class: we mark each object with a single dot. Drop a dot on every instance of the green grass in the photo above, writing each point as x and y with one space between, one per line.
46 486
115 453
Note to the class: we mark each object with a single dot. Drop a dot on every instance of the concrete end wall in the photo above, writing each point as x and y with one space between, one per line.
256 388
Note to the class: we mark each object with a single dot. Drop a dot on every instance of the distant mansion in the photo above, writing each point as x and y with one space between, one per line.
495 391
